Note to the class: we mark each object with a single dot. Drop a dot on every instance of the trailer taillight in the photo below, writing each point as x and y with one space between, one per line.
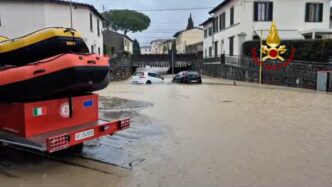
58 143
124 124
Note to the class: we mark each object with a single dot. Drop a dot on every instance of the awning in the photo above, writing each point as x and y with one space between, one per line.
283 34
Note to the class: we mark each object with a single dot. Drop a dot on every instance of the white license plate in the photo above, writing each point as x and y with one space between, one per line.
85 134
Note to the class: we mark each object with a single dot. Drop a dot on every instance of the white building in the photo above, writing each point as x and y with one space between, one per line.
146 50
235 21
155 44
21 17
186 38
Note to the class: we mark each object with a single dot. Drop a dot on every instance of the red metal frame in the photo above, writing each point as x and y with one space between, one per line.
66 140
51 130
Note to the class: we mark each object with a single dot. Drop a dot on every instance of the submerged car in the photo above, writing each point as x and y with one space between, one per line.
146 78
188 77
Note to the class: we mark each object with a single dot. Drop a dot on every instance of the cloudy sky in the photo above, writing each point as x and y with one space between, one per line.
164 24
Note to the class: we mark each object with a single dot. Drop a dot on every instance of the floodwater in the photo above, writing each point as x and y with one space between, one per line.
215 134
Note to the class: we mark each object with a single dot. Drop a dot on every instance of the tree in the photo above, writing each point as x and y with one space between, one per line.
190 23
136 48
126 20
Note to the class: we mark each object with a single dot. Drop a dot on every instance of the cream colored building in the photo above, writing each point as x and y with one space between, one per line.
128 45
165 47
21 17
188 37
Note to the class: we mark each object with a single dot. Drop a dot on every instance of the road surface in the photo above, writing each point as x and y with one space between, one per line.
215 134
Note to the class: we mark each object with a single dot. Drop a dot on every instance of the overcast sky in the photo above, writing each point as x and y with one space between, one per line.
164 24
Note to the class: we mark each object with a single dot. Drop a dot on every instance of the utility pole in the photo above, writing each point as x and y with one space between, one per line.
173 56
71 14
261 59
173 63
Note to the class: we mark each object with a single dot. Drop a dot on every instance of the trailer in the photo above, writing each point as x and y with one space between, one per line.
55 124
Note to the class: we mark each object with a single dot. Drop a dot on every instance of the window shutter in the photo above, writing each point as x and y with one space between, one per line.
320 19
220 22
232 16
225 20
255 11
307 7
270 11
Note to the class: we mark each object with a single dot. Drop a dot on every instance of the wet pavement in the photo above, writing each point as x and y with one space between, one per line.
215 134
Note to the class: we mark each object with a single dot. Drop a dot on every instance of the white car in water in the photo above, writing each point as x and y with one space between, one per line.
146 78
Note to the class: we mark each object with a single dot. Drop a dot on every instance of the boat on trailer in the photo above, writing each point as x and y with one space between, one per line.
61 75
39 45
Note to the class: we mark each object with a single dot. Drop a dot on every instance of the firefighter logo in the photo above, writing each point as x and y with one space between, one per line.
273 51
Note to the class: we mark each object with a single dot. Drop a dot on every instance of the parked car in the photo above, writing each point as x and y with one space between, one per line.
146 78
188 77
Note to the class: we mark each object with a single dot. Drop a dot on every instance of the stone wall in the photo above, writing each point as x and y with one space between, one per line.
297 74
121 68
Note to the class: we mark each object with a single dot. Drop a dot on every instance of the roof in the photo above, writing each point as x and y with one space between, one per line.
63 2
117 34
158 40
180 32
207 21
169 40
224 3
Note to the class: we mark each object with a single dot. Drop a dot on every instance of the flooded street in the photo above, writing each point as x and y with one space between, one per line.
215 134
225 135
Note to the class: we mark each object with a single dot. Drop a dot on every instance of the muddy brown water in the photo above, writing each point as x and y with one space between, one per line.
215 134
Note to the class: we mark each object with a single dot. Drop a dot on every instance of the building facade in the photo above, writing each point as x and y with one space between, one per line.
235 21
145 50
21 17
155 44
187 37
117 43
196 48
165 46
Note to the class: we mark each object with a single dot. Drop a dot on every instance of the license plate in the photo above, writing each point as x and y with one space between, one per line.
85 134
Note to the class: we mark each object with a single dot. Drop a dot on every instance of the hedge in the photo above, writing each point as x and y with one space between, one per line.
306 50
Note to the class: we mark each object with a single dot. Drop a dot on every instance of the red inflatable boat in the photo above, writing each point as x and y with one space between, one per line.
61 75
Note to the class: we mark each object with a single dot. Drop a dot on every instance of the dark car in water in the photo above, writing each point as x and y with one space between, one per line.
188 77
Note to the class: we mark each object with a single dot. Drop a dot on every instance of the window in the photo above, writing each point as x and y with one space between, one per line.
231 46
205 53
92 49
210 51
98 50
0 22
141 74
232 16
91 23
314 12
215 24
210 31
263 11
222 19
215 49
98 27
205 33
